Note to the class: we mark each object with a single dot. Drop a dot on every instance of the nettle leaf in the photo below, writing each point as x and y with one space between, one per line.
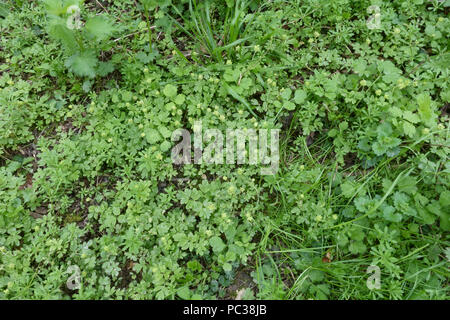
82 64
99 27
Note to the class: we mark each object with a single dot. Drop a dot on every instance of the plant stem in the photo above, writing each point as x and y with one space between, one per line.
149 28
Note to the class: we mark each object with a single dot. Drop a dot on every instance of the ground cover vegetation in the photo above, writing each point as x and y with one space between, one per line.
91 91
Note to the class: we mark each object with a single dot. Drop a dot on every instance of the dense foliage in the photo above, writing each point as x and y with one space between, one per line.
87 109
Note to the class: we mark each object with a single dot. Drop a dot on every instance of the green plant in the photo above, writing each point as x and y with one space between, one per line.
86 177
82 43
211 40
148 6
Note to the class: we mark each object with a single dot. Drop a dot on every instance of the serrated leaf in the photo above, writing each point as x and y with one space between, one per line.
152 136
82 64
409 129
216 244
424 102
104 68
165 146
99 27
231 75
411 117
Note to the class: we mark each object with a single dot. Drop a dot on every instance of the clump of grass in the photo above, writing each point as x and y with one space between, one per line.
201 28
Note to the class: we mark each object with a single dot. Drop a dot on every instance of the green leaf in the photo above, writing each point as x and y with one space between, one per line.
152 136
184 293
411 117
289 105
82 64
286 94
425 111
348 189
165 146
179 100
58 31
99 27
104 68
231 75
409 129
4 10
357 247
152 4
408 184
300 96
227 267
390 215
170 91
444 199
216 244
